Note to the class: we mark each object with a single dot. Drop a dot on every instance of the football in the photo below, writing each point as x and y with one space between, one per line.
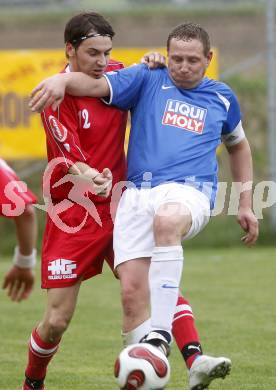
142 366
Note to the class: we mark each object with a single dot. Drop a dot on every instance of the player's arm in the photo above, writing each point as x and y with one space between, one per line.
19 280
61 128
51 91
242 172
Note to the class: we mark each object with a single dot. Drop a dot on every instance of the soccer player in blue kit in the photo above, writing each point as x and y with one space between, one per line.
178 119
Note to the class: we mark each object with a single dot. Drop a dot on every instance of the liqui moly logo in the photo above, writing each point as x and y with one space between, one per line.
185 116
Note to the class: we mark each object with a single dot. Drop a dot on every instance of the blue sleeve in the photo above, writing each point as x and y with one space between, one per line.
126 85
233 116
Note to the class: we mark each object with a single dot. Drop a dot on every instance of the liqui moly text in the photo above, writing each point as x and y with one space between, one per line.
185 116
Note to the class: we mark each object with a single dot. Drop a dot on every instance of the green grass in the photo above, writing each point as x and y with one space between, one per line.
233 296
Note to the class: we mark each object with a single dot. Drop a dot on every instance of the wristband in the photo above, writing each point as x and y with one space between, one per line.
22 261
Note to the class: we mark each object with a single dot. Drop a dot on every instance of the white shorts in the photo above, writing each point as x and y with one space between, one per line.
133 231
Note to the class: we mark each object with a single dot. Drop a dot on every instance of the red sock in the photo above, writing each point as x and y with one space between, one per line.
40 354
185 332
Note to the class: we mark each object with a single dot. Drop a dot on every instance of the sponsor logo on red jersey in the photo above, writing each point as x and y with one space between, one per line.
185 116
59 131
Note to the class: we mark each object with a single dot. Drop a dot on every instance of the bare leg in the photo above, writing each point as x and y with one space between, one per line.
135 296
59 311
45 339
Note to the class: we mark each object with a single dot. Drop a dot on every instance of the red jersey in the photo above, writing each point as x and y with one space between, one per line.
85 129
14 195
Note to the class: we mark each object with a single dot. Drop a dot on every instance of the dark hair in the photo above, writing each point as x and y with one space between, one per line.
79 26
188 31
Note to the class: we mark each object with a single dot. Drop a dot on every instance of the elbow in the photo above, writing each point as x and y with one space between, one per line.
241 147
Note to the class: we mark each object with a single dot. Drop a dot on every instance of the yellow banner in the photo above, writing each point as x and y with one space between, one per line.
21 132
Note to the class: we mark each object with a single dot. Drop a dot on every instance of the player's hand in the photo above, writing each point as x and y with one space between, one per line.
154 60
249 224
19 283
103 182
86 179
50 92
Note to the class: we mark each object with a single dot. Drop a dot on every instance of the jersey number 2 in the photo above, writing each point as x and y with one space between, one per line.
83 114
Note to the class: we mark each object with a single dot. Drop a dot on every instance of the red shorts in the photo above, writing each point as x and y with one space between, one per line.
68 257
14 195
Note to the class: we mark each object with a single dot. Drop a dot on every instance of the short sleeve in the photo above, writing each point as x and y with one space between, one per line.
61 128
232 132
126 85
233 115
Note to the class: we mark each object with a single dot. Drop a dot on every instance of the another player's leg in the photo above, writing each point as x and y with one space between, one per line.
46 337
135 240
165 270
203 369
133 275
185 332
133 244
183 329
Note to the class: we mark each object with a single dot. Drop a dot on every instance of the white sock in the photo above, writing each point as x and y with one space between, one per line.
164 278
136 334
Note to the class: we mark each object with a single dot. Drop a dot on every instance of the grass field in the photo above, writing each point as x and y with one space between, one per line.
233 296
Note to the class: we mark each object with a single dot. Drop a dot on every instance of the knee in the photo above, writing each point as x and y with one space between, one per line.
166 230
56 324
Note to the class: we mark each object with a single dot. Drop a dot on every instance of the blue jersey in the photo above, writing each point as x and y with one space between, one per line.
174 132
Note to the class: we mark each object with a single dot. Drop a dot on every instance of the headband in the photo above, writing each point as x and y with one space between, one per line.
91 35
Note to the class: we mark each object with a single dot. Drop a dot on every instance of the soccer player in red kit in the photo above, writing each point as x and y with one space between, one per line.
85 144
16 203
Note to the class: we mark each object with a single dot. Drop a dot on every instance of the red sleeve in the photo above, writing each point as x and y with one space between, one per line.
114 65
61 128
